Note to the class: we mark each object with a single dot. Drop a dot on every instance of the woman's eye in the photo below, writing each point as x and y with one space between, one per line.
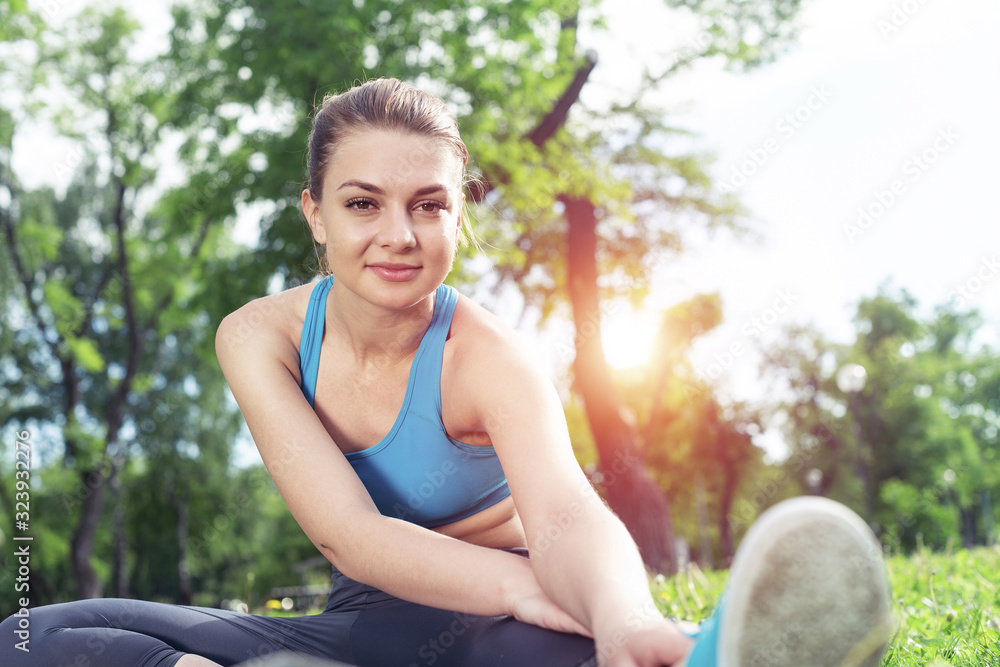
360 204
431 206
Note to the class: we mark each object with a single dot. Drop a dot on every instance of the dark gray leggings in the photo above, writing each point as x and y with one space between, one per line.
360 626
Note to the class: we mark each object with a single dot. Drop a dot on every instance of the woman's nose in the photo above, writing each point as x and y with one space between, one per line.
396 230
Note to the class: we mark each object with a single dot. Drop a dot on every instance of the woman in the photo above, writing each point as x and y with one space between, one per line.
425 457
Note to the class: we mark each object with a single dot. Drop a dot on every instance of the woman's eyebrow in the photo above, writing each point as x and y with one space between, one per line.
364 186
429 189
426 190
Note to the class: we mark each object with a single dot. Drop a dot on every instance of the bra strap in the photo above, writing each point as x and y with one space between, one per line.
312 337
428 371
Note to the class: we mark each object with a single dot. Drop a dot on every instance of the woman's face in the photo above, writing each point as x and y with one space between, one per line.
390 215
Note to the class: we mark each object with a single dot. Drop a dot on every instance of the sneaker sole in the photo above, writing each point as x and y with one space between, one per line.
811 591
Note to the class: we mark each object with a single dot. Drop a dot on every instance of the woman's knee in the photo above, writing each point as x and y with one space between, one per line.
80 614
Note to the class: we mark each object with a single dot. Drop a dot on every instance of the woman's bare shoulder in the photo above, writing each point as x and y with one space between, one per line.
480 340
475 327
269 323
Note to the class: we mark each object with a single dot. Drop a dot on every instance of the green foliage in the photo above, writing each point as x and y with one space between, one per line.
924 426
742 34
921 513
16 23
112 353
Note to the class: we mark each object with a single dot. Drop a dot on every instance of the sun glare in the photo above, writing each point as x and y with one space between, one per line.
628 336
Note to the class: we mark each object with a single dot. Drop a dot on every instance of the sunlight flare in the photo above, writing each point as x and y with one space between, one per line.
628 337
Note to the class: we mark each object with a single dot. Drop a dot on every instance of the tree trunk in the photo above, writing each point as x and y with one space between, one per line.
87 583
624 480
986 507
729 480
120 570
705 560
183 532
970 534
93 481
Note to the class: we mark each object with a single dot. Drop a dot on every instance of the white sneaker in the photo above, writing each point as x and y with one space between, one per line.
807 588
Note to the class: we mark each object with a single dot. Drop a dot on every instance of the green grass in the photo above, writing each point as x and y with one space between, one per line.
948 606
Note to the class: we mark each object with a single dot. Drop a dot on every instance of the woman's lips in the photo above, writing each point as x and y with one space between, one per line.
395 273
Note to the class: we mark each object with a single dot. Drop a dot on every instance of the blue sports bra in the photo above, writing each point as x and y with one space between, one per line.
416 472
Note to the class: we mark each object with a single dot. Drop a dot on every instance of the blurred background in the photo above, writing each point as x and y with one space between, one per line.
750 240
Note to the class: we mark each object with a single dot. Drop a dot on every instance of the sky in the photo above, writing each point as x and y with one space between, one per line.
865 153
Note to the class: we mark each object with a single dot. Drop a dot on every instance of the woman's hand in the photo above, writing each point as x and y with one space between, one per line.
656 644
539 610
527 602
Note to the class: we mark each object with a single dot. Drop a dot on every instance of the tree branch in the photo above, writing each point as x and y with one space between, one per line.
128 301
128 298
556 118
65 360
27 283
88 310
549 125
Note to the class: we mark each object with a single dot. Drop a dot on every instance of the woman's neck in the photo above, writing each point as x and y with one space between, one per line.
375 333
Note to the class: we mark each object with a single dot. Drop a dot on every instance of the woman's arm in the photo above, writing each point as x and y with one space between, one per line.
584 558
333 507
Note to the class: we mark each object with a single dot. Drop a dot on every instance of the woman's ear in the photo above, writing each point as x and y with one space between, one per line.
310 209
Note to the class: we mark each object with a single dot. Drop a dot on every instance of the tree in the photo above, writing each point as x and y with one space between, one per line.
105 281
698 445
923 427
